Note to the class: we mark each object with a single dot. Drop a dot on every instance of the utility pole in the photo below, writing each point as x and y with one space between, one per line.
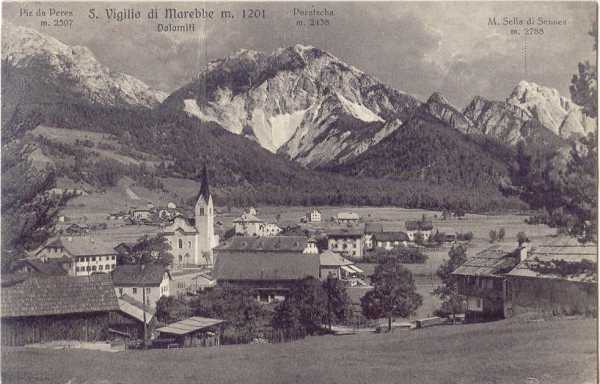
144 311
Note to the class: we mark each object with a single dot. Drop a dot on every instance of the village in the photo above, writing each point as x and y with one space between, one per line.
152 282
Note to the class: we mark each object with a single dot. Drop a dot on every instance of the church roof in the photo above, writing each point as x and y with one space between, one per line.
204 190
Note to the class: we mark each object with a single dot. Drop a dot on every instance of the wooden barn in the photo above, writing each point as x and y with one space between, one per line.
128 321
558 277
48 308
193 332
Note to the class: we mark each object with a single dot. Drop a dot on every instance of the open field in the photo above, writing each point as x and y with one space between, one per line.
508 351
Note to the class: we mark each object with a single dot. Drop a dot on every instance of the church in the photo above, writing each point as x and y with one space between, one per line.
192 240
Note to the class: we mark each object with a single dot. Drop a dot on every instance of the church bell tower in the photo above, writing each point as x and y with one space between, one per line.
204 214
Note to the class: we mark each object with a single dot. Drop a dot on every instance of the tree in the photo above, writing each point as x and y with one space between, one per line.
310 300
501 234
238 306
522 238
286 317
155 249
419 238
338 301
584 86
493 236
452 301
394 293
170 309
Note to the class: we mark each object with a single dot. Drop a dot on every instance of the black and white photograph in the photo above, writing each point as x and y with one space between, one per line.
299 192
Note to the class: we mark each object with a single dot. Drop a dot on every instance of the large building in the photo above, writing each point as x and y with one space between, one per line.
269 266
557 277
347 241
40 309
422 227
146 283
482 280
80 255
192 241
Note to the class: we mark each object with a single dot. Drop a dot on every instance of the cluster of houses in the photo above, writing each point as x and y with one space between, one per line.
78 286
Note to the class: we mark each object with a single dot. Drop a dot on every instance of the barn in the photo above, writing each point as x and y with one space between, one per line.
41 309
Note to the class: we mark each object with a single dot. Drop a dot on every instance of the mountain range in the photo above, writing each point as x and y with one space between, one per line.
295 121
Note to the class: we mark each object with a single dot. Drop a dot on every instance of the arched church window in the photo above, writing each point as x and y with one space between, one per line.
180 243
189 244
201 211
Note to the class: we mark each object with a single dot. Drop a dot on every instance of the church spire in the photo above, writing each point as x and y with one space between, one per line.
204 191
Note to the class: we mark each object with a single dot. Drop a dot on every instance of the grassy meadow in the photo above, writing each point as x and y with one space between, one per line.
509 351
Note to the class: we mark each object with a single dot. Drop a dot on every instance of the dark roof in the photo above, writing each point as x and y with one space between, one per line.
492 261
204 190
390 236
419 225
265 244
59 295
345 232
373 227
139 275
265 265
50 267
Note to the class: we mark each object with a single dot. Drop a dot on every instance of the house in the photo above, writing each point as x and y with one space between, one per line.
43 309
146 283
86 254
269 229
141 214
347 218
53 267
347 241
333 264
482 279
128 321
269 266
76 230
192 241
370 230
193 332
248 225
555 277
390 240
423 227
313 216
190 280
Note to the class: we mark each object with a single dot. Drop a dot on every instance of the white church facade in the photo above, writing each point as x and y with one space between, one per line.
192 241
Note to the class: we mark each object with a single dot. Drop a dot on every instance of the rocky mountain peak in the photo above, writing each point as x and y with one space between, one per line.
438 106
68 72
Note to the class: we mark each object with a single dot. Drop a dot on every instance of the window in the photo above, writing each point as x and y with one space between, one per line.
180 242
88 268
93 267
134 290
201 212
107 267
94 258
120 291
189 244
147 290
100 267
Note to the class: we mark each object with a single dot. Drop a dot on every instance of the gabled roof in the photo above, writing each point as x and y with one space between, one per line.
493 261
348 216
83 245
192 324
373 227
135 308
561 248
58 295
390 236
265 244
345 232
138 275
247 218
419 225
253 265
181 224
330 258
50 267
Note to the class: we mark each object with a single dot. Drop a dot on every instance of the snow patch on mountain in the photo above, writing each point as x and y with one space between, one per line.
285 125
359 111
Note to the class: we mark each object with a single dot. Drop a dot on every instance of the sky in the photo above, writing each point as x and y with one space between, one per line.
415 47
